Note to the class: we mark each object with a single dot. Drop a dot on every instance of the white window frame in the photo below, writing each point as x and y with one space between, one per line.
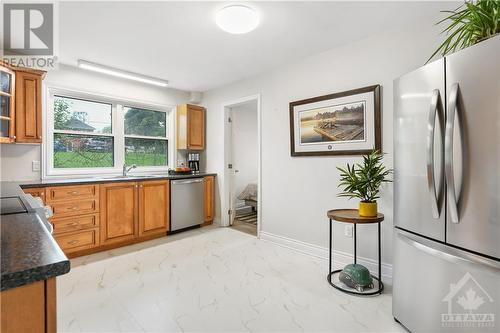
118 133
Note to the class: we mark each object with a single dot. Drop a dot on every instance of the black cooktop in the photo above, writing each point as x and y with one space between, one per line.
12 205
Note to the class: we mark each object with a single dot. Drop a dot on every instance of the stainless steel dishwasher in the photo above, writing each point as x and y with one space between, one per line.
186 198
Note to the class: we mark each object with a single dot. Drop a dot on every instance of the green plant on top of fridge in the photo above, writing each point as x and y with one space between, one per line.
469 24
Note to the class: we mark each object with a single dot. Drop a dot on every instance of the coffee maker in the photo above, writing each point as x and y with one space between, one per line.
194 162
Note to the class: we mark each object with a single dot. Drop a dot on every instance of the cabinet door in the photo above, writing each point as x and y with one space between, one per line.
154 202
196 127
7 96
209 199
118 212
28 107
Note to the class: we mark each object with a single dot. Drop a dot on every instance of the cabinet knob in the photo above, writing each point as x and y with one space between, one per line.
73 242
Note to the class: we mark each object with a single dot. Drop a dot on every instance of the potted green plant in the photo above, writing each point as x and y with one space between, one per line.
363 181
469 24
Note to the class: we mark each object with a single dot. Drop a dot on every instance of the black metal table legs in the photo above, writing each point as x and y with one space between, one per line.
379 286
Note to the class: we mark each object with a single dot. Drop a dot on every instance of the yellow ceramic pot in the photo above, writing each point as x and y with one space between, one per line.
368 209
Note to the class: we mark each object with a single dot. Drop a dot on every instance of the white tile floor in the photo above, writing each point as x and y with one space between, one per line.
211 280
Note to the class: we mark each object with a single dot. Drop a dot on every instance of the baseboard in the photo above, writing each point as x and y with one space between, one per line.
340 258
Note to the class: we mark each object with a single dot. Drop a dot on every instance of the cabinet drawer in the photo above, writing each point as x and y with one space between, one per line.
76 207
75 223
36 192
71 192
76 241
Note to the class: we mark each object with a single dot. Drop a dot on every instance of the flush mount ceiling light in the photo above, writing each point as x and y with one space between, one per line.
92 66
237 19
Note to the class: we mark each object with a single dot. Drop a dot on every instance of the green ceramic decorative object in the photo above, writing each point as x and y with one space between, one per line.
356 276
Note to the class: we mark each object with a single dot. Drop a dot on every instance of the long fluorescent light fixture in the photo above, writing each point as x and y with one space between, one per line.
92 66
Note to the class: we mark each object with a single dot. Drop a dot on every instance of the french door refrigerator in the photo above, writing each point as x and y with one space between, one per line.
446 270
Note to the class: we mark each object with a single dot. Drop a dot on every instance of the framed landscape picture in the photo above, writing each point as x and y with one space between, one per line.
345 123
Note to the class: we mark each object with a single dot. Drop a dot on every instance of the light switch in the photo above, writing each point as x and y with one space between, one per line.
35 165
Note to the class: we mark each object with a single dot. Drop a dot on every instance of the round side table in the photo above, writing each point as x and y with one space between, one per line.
352 216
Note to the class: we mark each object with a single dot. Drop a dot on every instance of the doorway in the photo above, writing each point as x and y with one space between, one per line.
242 155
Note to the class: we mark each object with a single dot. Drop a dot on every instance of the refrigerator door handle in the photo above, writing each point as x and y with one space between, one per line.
450 254
435 110
448 143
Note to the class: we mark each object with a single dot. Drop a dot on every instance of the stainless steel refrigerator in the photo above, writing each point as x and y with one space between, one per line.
446 269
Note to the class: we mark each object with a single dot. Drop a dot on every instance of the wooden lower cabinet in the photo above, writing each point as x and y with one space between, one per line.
118 212
154 212
29 308
209 201
36 192
94 217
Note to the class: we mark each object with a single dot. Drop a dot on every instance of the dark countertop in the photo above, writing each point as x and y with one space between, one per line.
29 253
104 179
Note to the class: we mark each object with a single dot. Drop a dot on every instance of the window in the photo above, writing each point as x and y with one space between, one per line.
90 134
83 135
145 137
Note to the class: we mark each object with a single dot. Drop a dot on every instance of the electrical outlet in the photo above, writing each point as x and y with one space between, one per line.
348 231
35 165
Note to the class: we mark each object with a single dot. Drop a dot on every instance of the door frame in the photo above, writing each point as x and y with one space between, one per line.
227 146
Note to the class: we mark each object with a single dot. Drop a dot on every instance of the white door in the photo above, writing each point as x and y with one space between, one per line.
232 174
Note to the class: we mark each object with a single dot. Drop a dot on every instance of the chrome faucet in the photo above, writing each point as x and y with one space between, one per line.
127 169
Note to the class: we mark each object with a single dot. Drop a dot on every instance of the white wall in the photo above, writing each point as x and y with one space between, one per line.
245 146
298 191
15 162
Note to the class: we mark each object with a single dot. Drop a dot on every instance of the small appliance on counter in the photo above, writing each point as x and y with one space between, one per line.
194 162
180 170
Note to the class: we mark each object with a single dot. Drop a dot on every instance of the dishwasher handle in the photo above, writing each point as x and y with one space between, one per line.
187 181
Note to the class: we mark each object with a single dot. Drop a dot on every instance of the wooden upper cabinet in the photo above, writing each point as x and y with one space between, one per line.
28 115
7 105
209 200
190 127
154 202
118 212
